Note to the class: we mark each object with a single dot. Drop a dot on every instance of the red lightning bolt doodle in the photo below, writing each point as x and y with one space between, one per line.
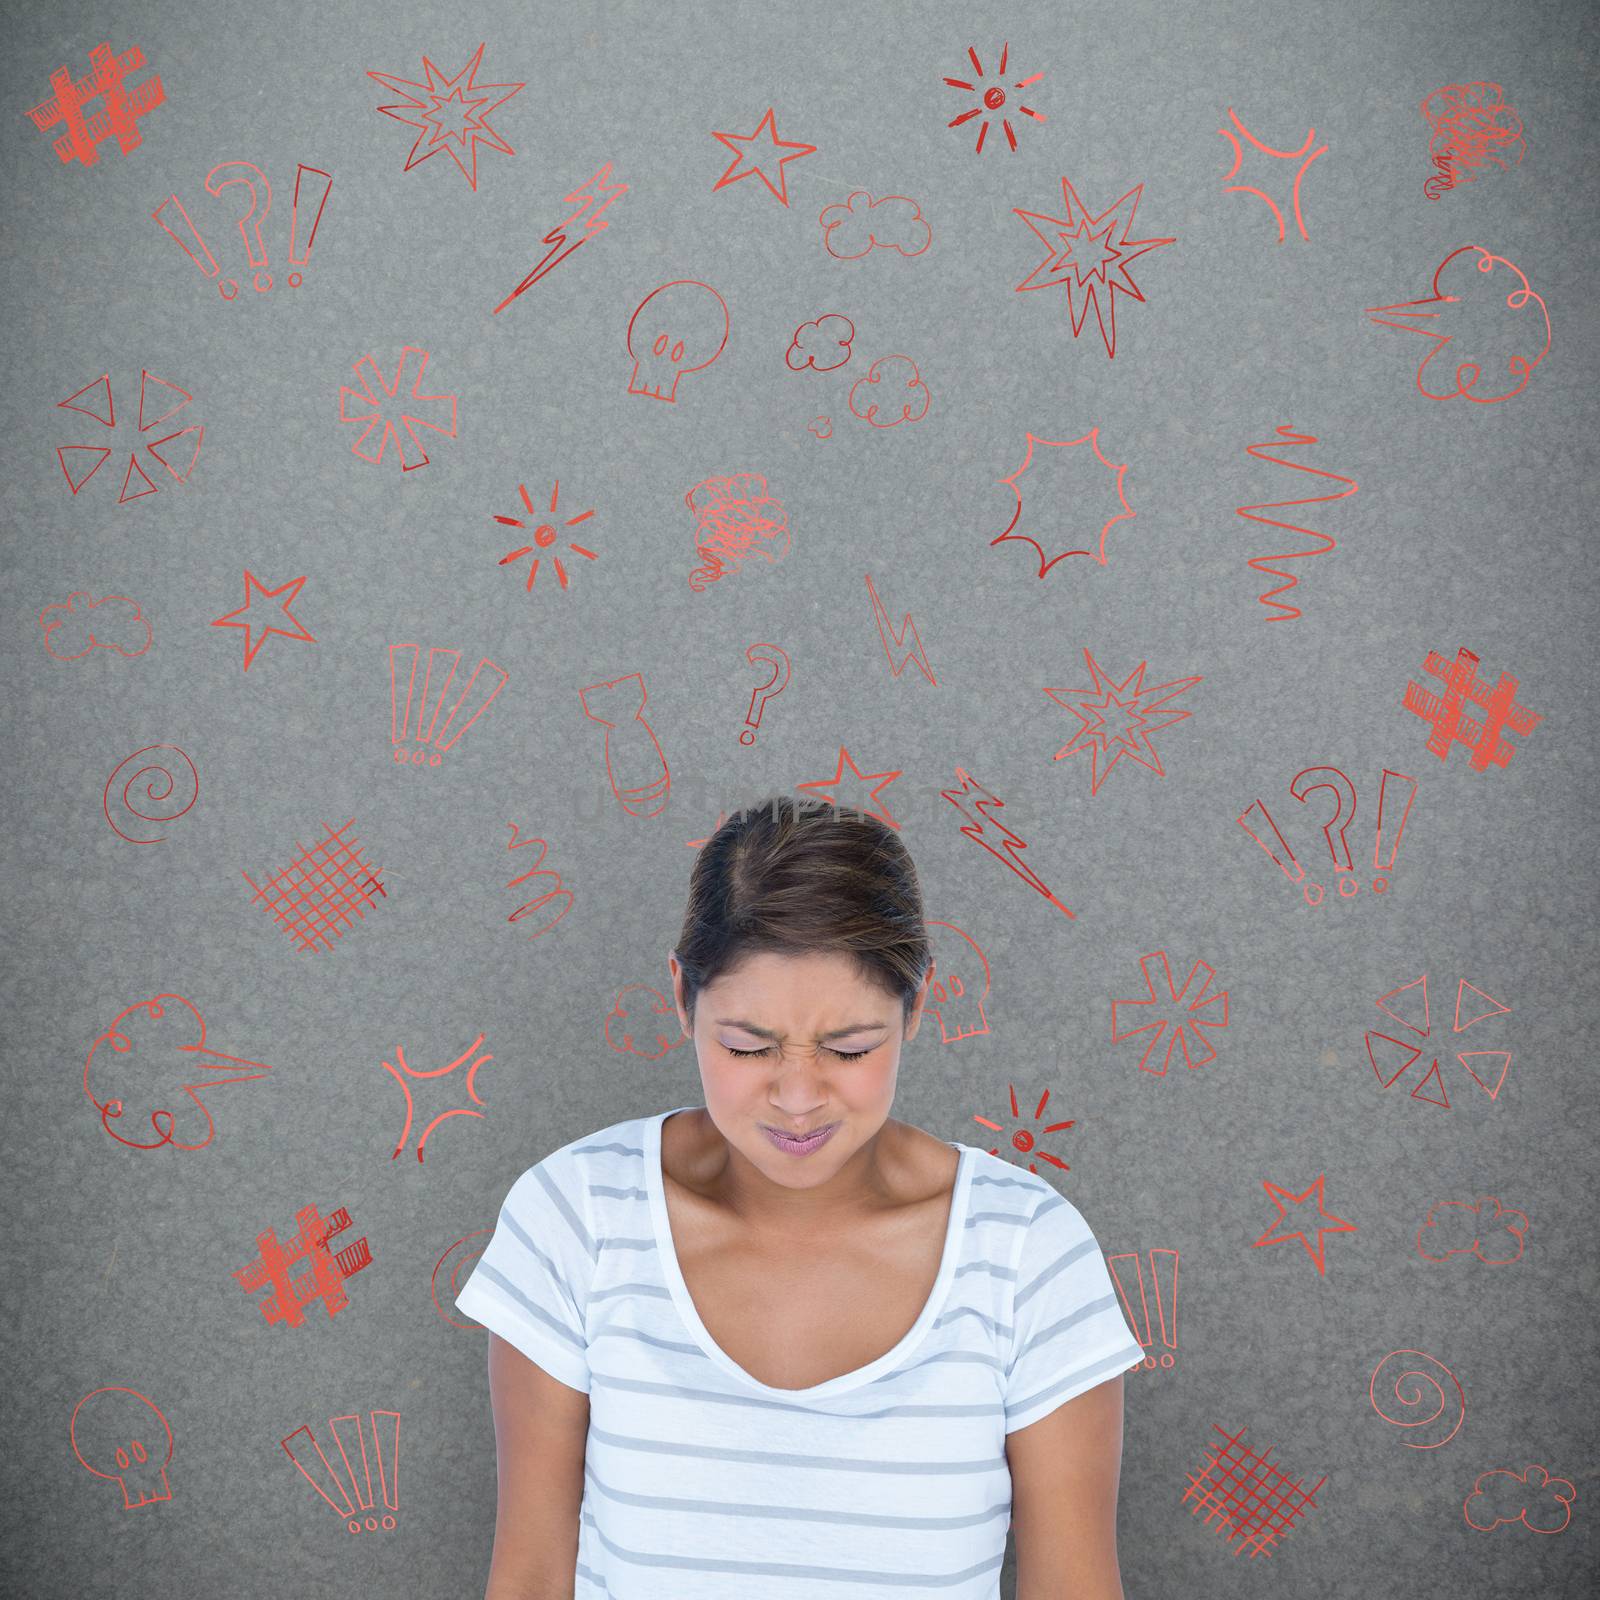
438 1072
1010 844
600 188
887 632
1287 436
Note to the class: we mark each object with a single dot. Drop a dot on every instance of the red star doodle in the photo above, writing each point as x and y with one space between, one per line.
737 142
1092 439
826 786
437 1072
1128 727
449 120
1281 1195
1081 252
253 641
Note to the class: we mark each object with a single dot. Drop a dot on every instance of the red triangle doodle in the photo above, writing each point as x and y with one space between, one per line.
1505 1066
1461 1026
98 451
1438 1083
102 382
1423 980
138 494
145 380
1415 1051
183 433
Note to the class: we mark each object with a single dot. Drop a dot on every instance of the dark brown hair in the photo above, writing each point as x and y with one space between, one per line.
800 876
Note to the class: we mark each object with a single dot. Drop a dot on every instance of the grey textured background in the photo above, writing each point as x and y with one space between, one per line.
1473 525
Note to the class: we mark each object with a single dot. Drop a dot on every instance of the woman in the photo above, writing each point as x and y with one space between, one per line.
782 1346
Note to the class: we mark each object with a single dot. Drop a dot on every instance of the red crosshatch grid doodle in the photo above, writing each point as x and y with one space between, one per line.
1252 1499
119 117
325 1272
314 898
1447 711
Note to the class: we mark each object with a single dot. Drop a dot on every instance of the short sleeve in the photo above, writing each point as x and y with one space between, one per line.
531 1284
1068 1332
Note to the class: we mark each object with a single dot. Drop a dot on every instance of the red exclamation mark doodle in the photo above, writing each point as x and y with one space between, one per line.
1332 779
1163 1266
1383 865
1287 860
194 244
352 1497
298 256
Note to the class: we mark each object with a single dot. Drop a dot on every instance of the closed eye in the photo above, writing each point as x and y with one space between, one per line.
843 1055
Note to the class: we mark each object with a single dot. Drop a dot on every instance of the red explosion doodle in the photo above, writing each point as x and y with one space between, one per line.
405 1072
1024 1140
453 121
1181 1030
177 452
748 147
1272 151
1118 719
992 100
255 589
1335 1224
1119 470
367 406
1251 1501
544 535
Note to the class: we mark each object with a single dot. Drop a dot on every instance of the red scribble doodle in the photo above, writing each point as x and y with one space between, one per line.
1431 1089
314 898
415 712
1163 1264
1251 1501
1495 1234
1501 1496
1118 470
880 781
191 787
1120 715
746 147
528 907
992 101
891 393
463 1263
635 766
1244 136
990 832
120 110
598 188
775 659
894 639
169 450
257 633
544 535
436 1073
680 327
302 219
85 624
1286 437
141 1067
858 224
1314 1222
1479 301
324 1274
633 1028
734 519
1469 125
823 345
1023 1140
956 1002
822 427
1179 1031
450 122
375 418
1412 1396
1447 711
354 1503
123 1436
1102 262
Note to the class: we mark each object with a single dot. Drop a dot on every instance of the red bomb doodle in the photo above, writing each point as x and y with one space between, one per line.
120 1434
637 770
776 659
679 328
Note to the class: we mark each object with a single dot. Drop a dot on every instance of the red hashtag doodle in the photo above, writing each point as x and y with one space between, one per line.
1447 711
323 1277
1247 1496
120 113
314 899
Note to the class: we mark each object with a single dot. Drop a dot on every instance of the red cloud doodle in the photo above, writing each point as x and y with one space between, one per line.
822 345
77 625
891 393
635 1028
859 224
1484 1228
1542 1504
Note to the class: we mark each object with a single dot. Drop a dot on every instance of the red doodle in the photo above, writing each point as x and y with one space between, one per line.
893 638
528 907
735 519
80 624
314 898
957 1003
1412 1394
415 712
1239 137
1469 126
822 427
352 1490
453 122
1402 1054
858 225
750 147
1101 262
990 832
1164 1287
823 345
637 770
1185 1017
177 452
891 393
1264 564
122 1435
992 100
633 1028
544 535
1025 1140
406 1075
257 632
1251 1501
775 659
1447 711
1481 306
367 407
120 109
141 1065
191 788
562 244
827 787
1501 1496
1495 1234
323 1278
455 1279
1118 470
1118 719
680 327
1314 1222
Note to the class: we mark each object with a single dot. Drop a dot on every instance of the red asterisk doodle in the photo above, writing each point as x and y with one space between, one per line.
367 406
1118 718
453 121
748 147
1181 1030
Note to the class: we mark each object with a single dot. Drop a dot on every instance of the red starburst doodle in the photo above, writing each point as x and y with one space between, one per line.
544 535
1118 719
1181 1030
367 406
1024 1140
176 452
992 101
452 121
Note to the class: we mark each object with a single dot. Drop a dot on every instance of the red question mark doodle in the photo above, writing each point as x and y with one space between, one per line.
1412 1396
257 214
775 657
149 791
1343 790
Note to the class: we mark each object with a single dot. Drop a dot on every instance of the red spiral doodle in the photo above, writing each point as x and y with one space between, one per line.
1413 1395
150 792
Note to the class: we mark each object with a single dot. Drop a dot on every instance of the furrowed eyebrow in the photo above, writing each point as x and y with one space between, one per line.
767 1033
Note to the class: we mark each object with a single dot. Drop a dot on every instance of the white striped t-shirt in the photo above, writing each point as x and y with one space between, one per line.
701 1483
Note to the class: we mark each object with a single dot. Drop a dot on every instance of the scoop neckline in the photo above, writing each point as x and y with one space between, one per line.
661 1223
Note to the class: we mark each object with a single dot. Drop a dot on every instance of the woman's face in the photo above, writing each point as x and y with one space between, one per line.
794 1043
